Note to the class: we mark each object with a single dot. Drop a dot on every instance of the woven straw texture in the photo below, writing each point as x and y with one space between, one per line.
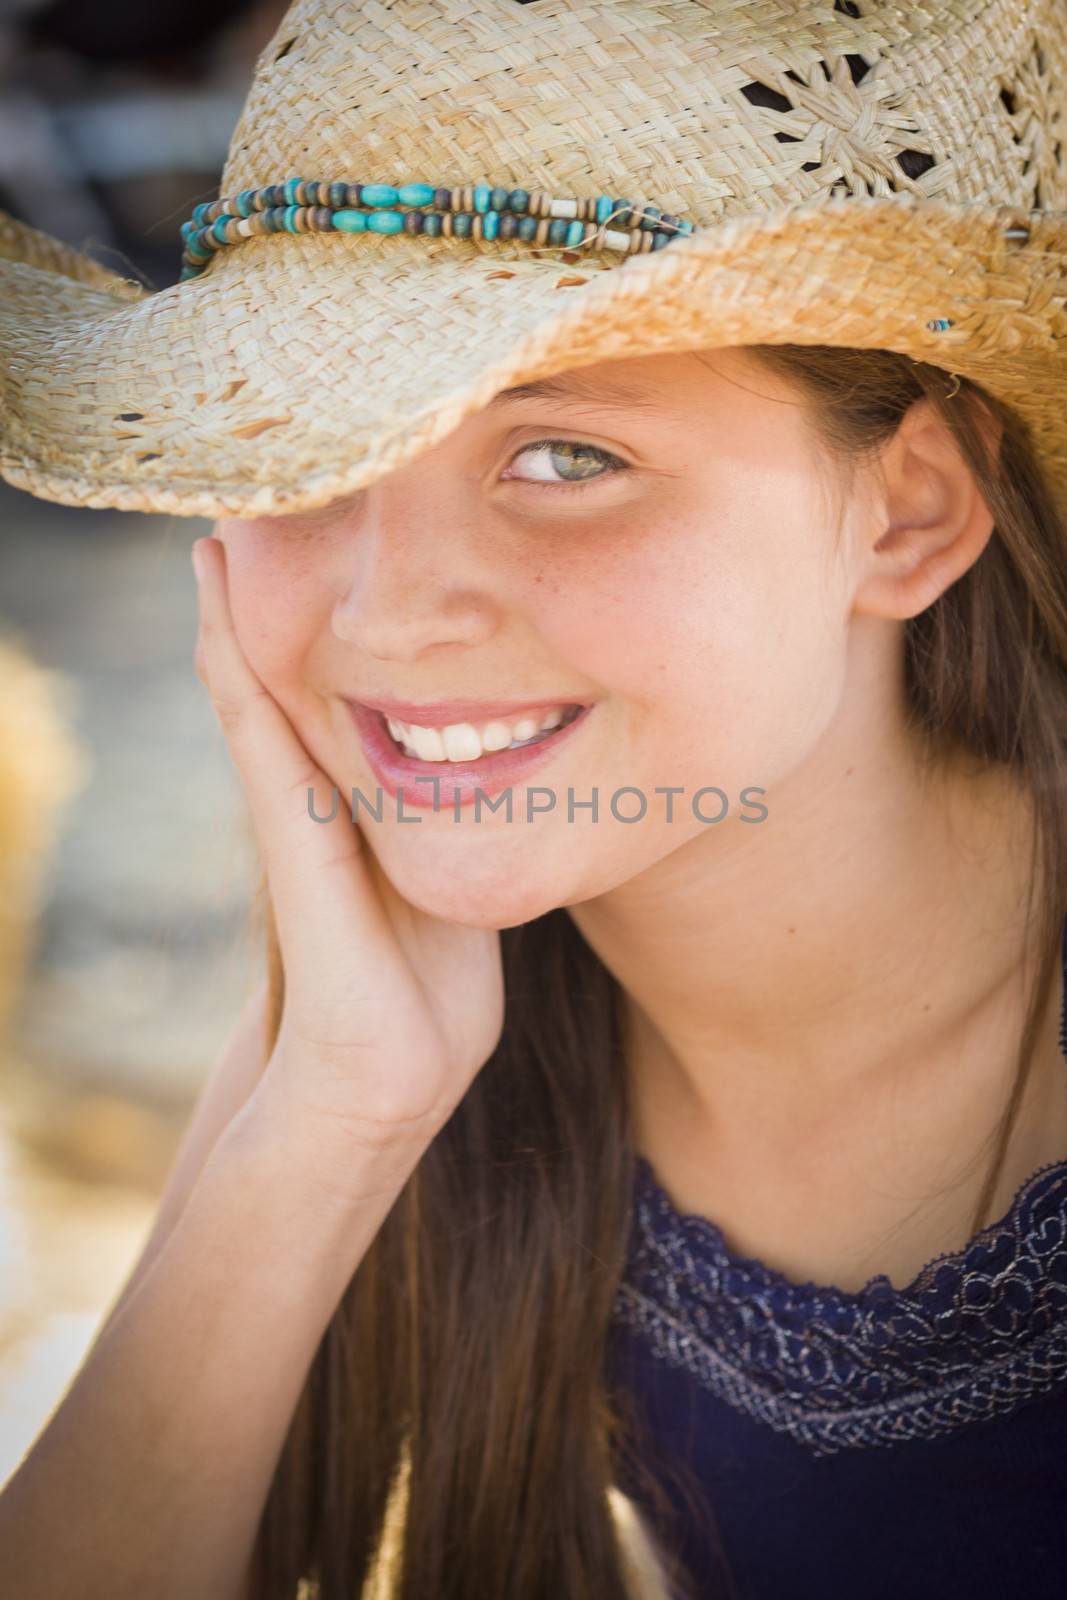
853 169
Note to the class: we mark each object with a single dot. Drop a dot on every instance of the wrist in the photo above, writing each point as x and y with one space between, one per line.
342 1165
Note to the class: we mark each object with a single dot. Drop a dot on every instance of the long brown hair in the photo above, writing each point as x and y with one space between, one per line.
473 1334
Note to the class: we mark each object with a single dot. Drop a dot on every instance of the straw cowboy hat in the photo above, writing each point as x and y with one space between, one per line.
427 201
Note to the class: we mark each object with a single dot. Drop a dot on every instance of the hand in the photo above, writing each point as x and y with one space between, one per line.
389 1012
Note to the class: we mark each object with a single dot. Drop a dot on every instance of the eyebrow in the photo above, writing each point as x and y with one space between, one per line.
571 387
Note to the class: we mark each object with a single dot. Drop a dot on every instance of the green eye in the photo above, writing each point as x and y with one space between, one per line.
560 456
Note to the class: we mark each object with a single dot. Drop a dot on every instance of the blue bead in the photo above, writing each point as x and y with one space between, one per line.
519 199
350 221
557 230
431 224
498 200
200 211
290 190
218 228
575 232
603 207
385 221
528 227
490 224
482 193
290 218
378 194
685 227
659 240
245 207
415 194
188 228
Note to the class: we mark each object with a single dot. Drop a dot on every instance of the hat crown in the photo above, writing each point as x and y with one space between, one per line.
706 108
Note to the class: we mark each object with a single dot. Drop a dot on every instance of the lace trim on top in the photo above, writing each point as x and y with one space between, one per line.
978 1332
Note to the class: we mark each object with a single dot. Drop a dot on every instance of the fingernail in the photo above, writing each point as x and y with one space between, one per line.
198 560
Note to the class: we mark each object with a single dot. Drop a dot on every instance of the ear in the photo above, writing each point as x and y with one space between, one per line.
928 522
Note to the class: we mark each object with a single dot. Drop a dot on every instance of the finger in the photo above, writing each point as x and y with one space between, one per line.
318 875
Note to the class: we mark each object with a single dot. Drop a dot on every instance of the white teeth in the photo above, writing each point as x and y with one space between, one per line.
462 741
496 736
427 743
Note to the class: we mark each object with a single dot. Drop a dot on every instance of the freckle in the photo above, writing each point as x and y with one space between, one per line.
849 771
790 930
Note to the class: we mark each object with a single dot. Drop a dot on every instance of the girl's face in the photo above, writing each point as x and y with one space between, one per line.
653 540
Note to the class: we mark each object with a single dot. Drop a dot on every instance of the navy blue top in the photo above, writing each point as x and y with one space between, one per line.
870 1444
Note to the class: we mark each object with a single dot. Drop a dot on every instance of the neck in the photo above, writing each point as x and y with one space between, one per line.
836 1005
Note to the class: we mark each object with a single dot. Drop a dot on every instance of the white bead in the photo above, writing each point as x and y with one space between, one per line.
244 227
614 240
563 208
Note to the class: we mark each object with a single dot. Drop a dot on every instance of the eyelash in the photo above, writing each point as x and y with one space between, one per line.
616 464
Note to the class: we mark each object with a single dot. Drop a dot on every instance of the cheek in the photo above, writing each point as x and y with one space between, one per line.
276 601
718 647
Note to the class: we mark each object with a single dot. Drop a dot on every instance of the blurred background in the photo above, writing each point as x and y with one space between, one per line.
126 872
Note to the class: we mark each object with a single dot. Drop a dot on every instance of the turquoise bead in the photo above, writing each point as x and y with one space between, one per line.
519 199
385 221
415 194
490 224
290 218
350 221
245 207
498 200
685 227
200 211
289 187
218 228
603 207
431 224
482 192
461 224
528 227
377 194
557 230
575 232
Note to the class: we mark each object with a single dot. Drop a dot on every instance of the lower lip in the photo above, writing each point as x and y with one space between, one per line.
459 779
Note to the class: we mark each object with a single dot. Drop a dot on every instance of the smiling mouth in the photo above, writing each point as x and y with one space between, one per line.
540 737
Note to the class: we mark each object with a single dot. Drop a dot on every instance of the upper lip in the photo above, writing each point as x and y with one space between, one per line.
443 713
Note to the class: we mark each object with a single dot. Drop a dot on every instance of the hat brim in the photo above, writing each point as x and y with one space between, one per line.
300 368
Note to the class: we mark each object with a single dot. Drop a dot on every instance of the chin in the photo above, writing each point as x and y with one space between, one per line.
489 899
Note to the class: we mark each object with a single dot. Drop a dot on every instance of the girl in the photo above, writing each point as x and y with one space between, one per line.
652 1183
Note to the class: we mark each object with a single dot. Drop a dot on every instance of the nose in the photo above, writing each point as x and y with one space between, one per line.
410 582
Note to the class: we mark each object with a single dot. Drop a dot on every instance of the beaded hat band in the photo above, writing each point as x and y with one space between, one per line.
826 172
299 205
